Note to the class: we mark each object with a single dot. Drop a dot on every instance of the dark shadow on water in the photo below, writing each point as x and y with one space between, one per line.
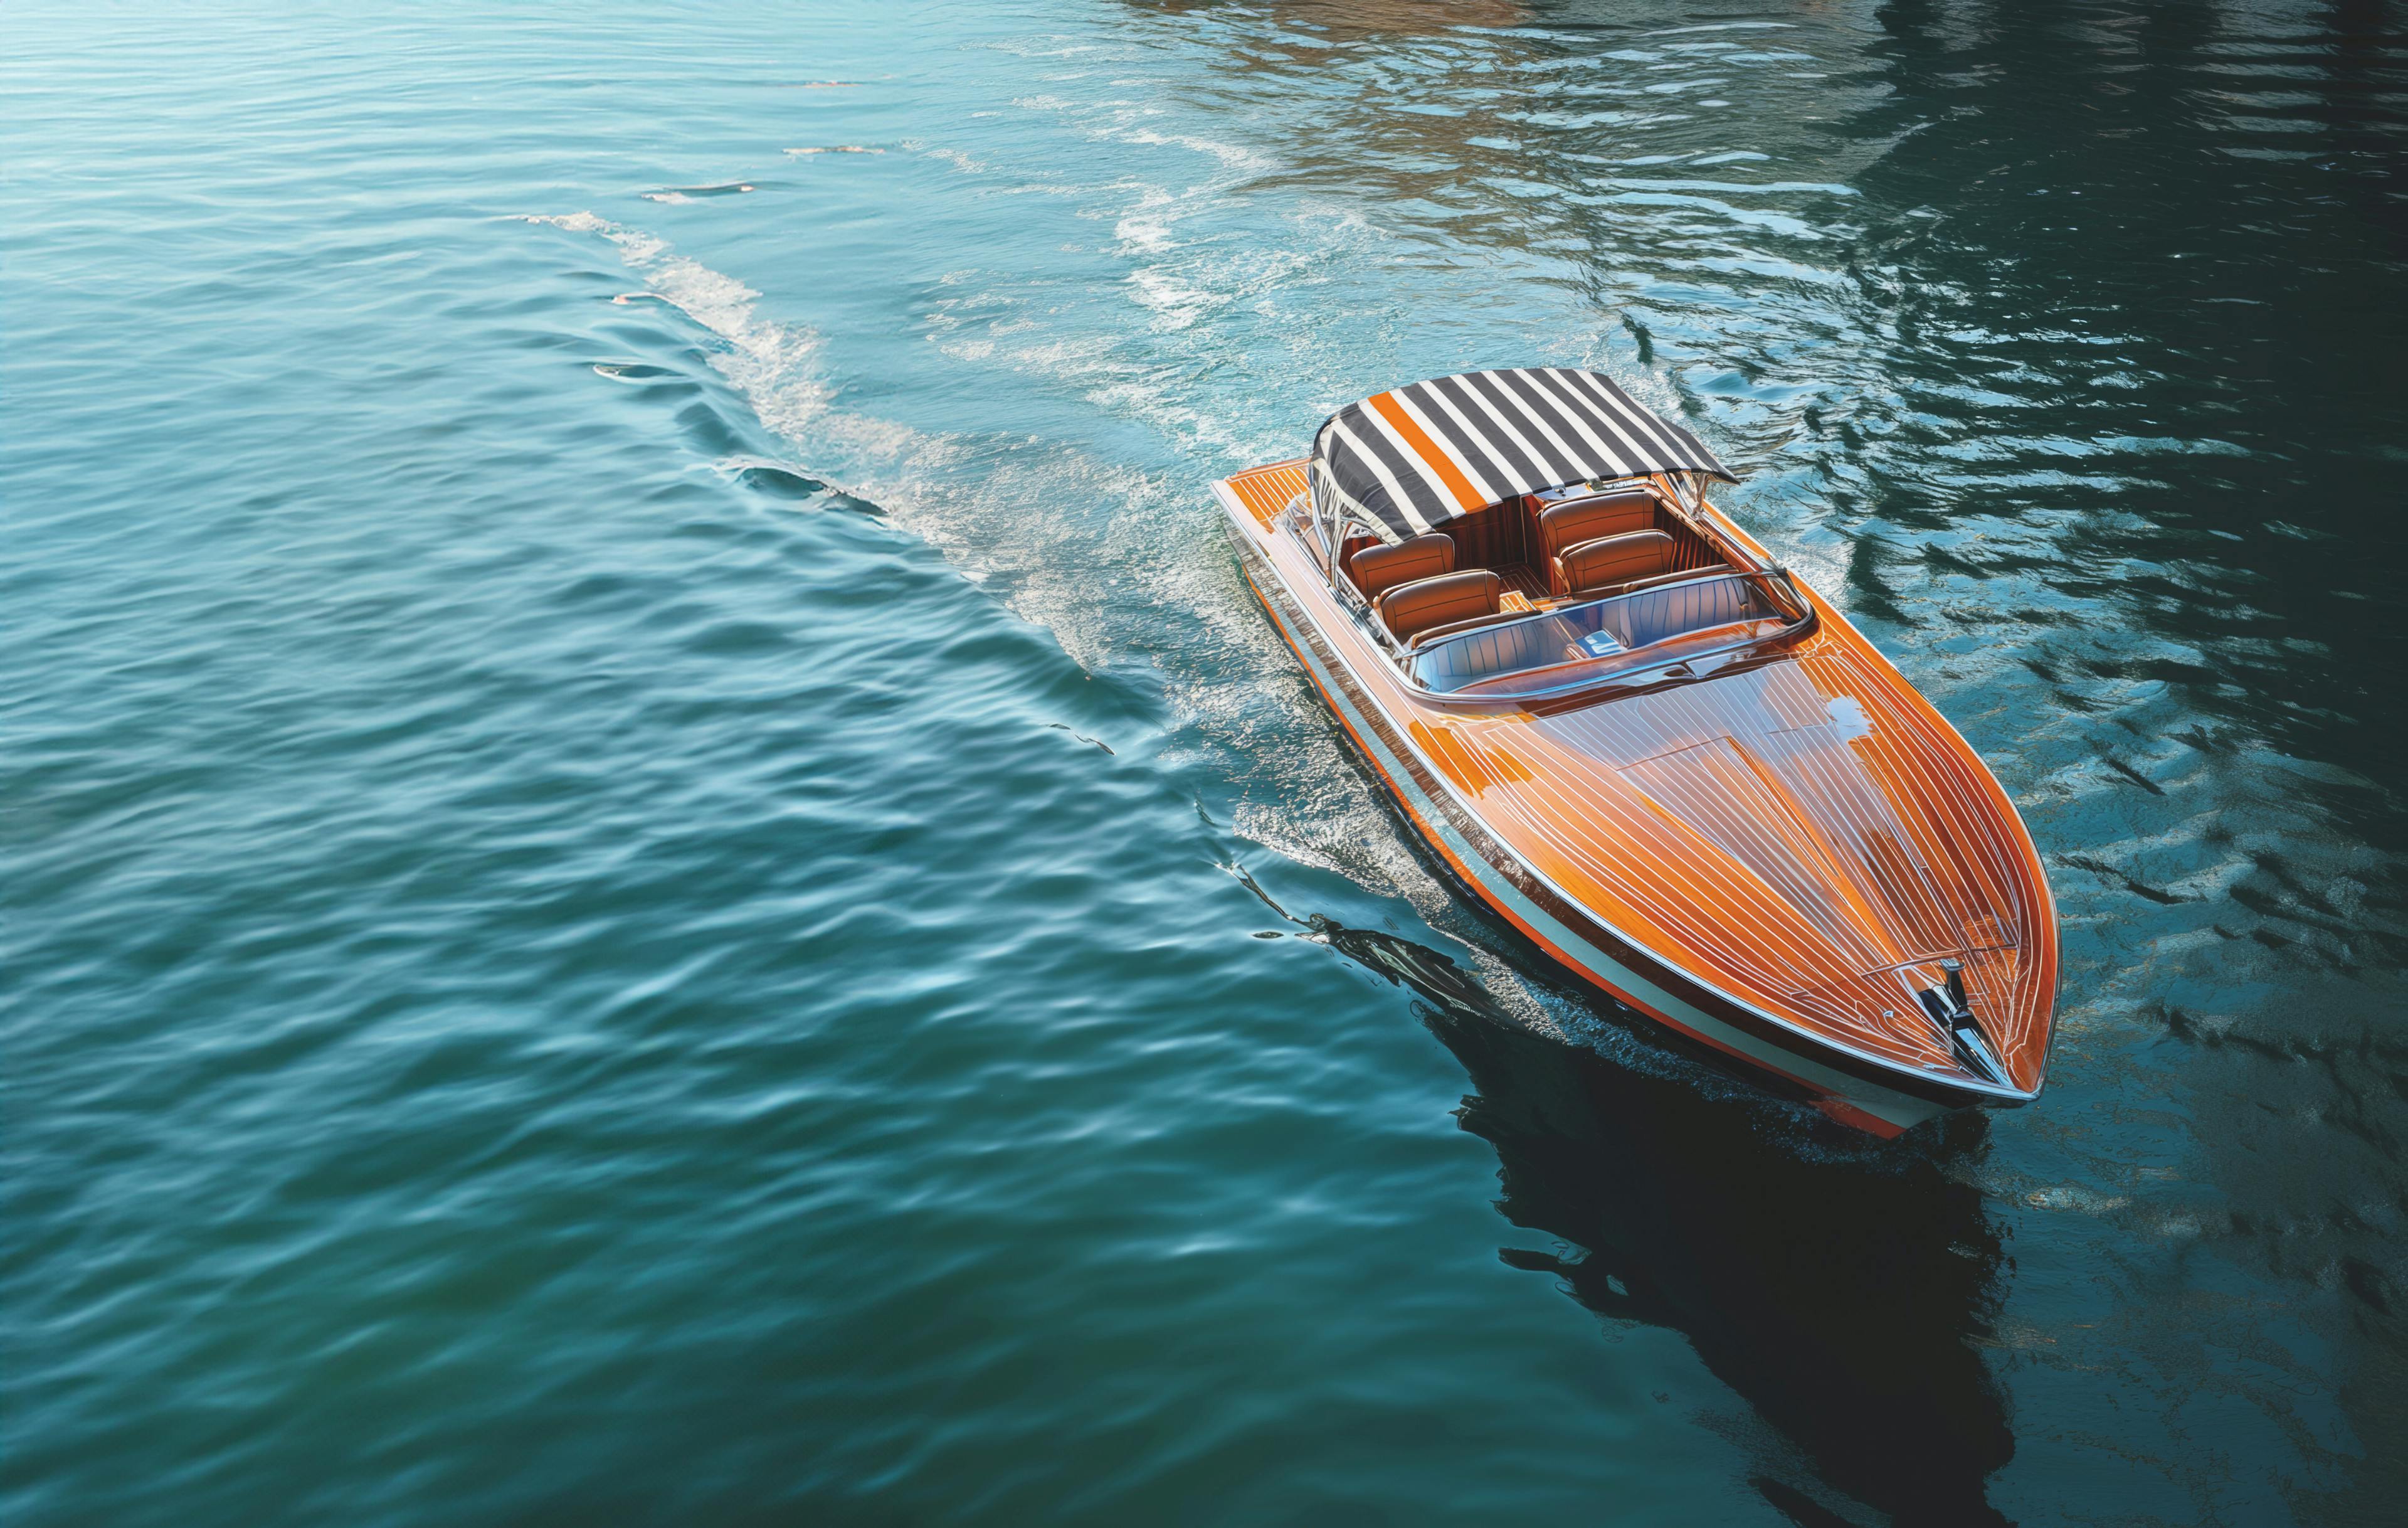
1839 1287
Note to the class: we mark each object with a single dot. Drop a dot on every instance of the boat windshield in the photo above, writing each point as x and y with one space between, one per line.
1581 644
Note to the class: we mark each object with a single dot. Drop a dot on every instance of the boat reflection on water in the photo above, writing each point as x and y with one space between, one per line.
1839 1287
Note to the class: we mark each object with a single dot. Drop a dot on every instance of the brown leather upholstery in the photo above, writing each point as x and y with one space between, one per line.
1586 519
1410 608
1356 540
1612 559
1431 634
1677 575
1378 568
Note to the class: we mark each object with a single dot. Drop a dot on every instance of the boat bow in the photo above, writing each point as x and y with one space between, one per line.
1803 837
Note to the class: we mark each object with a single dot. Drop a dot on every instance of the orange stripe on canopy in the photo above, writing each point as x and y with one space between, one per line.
1432 455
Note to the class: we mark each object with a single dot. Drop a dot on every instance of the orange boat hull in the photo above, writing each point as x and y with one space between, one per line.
1771 859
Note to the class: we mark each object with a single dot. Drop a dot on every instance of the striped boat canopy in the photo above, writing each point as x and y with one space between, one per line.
1417 457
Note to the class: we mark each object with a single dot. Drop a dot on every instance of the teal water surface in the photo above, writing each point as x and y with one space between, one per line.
656 870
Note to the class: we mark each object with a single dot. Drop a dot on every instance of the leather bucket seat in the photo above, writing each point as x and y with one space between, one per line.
1588 519
1433 607
1612 560
1378 568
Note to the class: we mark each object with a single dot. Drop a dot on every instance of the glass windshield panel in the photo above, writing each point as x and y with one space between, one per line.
1600 632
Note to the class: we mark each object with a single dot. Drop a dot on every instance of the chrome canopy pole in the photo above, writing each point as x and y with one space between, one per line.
1689 488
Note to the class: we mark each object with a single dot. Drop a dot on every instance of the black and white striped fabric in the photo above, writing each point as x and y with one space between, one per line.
1414 458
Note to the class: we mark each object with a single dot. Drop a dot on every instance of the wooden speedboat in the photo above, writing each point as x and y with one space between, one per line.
1651 748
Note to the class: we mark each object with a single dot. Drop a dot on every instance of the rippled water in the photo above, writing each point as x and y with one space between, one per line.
655 870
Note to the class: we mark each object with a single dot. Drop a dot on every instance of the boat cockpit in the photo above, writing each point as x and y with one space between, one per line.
1556 590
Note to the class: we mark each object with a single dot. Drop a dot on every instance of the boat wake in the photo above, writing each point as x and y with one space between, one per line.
1137 588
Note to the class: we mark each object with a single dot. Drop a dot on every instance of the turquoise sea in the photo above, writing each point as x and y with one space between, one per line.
655 870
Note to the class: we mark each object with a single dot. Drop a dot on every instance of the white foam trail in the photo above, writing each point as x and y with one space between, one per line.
773 364
995 508
1105 586
954 157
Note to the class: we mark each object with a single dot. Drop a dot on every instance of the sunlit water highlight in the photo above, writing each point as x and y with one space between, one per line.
657 871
